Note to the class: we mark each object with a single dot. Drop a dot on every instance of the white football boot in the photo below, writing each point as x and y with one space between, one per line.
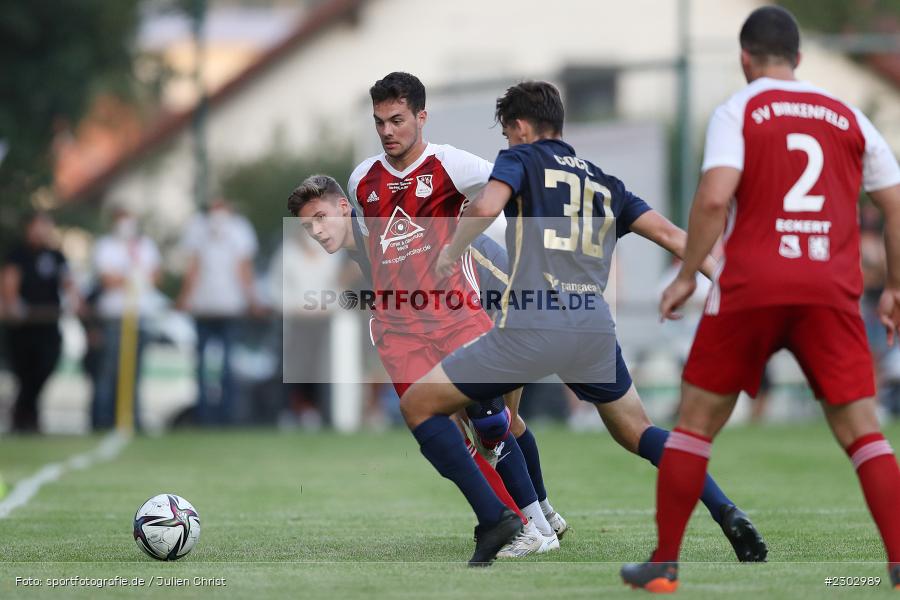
559 525
551 542
530 541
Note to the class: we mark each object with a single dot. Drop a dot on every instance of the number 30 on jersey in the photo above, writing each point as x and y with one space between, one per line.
579 203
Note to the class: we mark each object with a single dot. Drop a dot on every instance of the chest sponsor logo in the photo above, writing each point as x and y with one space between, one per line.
790 246
399 186
373 197
424 186
400 232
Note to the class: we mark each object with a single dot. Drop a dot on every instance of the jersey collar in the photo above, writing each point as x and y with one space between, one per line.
430 149
566 145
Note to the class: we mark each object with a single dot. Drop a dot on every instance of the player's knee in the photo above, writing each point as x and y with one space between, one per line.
703 412
490 419
851 421
517 425
411 408
627 435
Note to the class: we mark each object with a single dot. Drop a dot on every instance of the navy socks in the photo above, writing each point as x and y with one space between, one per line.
529 448
442 444
512 468
651 447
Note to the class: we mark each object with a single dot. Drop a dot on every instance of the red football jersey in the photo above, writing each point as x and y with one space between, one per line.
792 235
409 216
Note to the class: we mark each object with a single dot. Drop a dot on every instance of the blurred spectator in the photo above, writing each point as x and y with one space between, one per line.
300 267
93 332
873 262
218 289
33 278
128 268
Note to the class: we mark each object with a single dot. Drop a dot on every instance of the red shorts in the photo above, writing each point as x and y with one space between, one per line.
730 350
408 356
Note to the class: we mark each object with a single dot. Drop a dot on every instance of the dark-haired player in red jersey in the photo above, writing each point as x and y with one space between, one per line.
408 200
793 157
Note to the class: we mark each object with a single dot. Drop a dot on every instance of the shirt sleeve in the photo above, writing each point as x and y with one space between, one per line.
724 139
510 170
880 169
468 172
491 264
632 208
352 185
247 242
106 259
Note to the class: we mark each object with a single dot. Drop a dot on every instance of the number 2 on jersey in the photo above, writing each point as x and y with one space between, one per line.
797 200
552 240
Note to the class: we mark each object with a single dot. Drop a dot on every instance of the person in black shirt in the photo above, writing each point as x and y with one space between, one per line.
33 276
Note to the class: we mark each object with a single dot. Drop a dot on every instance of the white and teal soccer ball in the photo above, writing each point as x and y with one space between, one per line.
166 527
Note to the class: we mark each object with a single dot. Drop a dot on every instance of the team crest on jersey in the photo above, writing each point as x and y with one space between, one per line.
400 231
819 247
423 186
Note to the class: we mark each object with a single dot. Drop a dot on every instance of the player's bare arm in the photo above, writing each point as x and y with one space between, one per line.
190 281
707 220
10 282
661 231
475 219
888 201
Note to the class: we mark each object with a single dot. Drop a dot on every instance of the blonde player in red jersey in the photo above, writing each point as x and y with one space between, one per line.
792 157
407 201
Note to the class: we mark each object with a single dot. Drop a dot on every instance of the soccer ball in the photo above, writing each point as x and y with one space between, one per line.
166 527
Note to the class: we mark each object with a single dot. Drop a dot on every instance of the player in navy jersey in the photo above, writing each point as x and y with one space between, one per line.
564 216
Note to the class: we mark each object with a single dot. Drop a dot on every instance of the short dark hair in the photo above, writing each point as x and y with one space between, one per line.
771 32
537 102
313 188
400 86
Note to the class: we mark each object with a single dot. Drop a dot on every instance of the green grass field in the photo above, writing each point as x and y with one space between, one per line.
328 516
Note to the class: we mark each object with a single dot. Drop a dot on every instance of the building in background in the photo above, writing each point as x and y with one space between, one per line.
312 83
301 78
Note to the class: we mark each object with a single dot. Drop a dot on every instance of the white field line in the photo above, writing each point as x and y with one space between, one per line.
24 490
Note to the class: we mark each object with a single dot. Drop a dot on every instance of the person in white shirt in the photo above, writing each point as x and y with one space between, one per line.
298 269
218 289
128 267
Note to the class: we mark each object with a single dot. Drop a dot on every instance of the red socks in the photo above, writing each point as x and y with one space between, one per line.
682 472
876 466
494 480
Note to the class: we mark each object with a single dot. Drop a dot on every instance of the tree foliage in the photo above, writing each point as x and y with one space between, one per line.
845 16
56 54
259 189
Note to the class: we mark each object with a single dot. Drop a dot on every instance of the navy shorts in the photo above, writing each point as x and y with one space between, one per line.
502 360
